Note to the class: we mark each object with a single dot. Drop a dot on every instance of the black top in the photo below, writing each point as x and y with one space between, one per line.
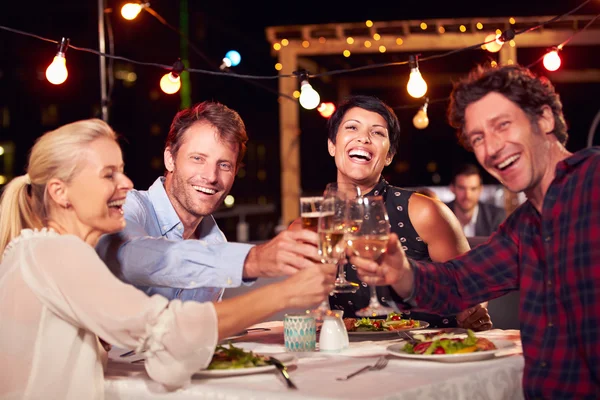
396 200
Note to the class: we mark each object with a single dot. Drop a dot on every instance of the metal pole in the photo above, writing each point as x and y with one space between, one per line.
102 48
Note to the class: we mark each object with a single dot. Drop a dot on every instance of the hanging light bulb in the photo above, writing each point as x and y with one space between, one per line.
232 59
326 109
493 43
171 82
309 98
131 10
57 73
552 60
421 120
417 87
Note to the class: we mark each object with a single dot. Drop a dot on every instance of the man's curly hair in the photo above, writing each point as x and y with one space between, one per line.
518 84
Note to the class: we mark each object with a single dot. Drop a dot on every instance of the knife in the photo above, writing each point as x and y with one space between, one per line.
283 370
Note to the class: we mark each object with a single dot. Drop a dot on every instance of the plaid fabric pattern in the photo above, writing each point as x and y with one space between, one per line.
553 259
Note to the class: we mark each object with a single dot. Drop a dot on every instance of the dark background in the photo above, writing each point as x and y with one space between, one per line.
141 113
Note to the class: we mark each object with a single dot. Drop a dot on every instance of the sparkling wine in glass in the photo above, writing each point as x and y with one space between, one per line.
369 240
341 193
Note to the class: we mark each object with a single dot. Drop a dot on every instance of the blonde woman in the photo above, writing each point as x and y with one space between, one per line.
57 297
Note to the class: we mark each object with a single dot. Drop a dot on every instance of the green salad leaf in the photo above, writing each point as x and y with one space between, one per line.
235 358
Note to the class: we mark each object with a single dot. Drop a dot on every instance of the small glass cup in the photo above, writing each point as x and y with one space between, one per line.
299 332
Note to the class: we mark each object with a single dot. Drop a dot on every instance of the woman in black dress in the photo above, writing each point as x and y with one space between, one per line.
363 139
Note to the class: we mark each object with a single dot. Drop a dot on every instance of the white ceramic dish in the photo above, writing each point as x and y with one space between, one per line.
286 359
502 345
393 333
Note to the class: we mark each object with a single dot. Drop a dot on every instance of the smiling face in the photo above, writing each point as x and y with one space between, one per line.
97 192
507 144
362 148
201 174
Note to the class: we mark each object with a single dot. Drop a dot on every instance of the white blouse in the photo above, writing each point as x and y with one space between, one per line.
57 297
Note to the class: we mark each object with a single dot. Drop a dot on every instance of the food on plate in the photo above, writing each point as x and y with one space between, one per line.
234 358
448 343
394 321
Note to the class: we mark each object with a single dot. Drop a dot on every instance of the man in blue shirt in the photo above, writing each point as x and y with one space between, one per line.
171 244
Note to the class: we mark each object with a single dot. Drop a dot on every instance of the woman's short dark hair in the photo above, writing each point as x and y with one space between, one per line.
369 103
228 123
518 84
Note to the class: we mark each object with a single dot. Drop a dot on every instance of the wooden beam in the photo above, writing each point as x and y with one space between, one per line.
289 148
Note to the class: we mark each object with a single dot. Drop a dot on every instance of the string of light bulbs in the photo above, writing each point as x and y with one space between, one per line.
309 98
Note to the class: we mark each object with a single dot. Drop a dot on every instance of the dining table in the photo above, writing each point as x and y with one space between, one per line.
315 374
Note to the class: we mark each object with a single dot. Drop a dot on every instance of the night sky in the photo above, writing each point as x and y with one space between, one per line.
141 113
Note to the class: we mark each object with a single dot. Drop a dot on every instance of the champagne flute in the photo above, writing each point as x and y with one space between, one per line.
369 240
341 193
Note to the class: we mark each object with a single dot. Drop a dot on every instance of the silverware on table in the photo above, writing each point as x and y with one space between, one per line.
258 329
129 353
408 337
282 370
380 364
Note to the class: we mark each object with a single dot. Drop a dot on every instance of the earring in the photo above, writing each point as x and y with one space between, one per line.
67 205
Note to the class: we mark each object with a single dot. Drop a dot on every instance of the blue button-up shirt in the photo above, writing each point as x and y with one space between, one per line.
151 254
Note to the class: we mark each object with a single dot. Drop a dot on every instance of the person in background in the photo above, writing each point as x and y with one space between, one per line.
363 139
548 249
172 245
476 217
57 297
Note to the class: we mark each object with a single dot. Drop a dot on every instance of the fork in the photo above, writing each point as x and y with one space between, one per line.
408 337
380 364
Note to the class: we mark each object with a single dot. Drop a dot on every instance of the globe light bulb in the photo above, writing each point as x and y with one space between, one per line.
552 60
421 120
309 98
170 83
417 87
234 57
326 109
131 10
57 73
493 44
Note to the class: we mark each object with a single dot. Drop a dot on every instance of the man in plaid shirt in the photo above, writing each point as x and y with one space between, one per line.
548 249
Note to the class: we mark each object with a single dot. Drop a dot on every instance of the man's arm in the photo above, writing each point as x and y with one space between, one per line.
145 258
484 273
140 259
437 225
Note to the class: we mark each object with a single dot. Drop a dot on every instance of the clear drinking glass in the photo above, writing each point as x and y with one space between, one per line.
340 194
310 209
369 240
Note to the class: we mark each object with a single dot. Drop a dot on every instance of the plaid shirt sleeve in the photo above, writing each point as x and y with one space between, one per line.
488 271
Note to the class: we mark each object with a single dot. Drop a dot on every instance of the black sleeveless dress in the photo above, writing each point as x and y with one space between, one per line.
396 200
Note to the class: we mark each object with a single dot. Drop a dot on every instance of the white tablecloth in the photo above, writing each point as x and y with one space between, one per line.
314 374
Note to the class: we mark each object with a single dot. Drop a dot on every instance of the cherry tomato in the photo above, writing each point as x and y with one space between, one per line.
439 350
396 318
377 324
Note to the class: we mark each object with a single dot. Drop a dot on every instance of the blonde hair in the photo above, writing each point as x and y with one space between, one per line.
56 154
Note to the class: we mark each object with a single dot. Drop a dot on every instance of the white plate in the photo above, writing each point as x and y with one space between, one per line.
502 345
286 359
393 333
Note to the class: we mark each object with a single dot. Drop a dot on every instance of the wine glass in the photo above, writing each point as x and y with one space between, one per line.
369 240
341 193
